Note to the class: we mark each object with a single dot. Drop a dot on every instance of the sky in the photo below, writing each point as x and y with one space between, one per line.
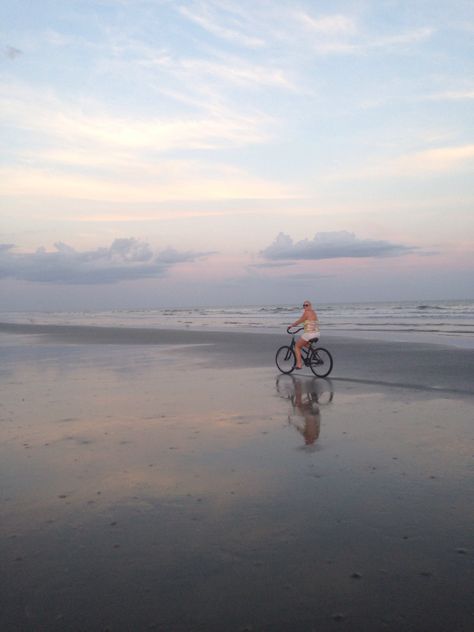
167 153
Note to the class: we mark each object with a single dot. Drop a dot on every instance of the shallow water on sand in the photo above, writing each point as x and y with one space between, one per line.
143 488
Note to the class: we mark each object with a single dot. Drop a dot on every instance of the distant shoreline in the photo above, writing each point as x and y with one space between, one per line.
133 334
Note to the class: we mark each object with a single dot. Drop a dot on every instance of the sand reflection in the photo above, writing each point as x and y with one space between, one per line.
306 396
139 484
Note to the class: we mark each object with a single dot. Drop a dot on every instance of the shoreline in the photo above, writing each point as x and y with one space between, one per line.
423 365
395 336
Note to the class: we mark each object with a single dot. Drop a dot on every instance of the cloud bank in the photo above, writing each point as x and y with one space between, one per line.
332 245
125 260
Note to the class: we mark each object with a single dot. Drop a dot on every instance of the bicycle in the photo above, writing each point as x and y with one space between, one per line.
318 359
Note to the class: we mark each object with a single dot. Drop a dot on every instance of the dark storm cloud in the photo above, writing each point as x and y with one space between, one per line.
124 260
334 245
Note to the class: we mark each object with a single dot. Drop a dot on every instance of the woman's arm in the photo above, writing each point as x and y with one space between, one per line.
300 320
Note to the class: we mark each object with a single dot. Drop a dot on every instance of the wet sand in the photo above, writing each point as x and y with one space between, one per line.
174 481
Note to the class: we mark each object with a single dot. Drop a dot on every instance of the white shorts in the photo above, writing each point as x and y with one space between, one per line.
311 335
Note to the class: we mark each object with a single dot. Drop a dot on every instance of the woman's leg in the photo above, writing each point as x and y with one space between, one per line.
298 346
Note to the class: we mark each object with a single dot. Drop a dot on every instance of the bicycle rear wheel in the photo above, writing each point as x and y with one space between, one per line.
285 359
321 362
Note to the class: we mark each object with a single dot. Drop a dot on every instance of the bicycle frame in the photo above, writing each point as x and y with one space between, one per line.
306 351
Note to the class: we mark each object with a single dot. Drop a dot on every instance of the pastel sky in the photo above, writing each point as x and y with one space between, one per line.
221 152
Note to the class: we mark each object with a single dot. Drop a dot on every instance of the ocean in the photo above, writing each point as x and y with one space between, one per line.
445 322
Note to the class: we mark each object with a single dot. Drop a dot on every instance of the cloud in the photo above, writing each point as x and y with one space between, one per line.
448 160
45 114
253 27
88 153
332 245
440 159
339 43
334 24
401 40
270 265
191 182
230 26
450 95
234 70
10 52
126 259
337 33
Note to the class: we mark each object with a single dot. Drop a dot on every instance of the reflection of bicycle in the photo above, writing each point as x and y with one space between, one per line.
318 359
319 391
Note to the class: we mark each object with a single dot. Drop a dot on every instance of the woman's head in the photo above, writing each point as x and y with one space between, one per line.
307 304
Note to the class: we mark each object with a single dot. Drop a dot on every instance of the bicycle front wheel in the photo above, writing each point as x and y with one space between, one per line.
321 362
285 359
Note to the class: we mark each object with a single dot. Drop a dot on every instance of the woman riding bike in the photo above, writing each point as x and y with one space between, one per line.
311 330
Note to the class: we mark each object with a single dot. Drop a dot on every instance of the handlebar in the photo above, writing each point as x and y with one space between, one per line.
293 332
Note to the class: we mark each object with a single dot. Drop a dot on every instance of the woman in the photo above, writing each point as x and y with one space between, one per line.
311 330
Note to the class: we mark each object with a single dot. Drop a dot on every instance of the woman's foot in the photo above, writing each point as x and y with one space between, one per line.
298 367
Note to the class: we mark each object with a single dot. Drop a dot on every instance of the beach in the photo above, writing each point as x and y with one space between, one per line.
174 480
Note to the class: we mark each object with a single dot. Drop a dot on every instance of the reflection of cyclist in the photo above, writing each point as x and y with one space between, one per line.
306 399
309 410
311 330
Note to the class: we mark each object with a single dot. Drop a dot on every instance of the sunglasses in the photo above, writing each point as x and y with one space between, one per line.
305 304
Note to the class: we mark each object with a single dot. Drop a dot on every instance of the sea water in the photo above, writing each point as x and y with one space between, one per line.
446 322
